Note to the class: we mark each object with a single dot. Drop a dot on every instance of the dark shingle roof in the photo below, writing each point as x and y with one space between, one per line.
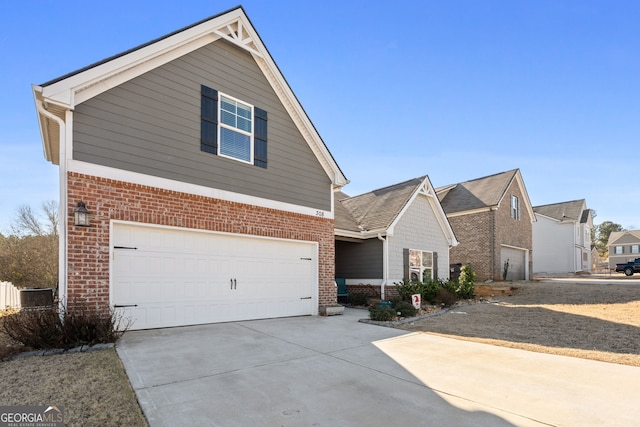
475 194
564 211
374 210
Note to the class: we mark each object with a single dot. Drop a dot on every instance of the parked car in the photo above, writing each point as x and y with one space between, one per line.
629 268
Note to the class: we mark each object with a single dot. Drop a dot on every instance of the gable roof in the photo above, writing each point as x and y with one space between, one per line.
55 97
617 235
574 210
376 212
481 193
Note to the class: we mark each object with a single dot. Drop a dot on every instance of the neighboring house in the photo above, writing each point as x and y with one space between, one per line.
209 190
393 233
491 217
562 238
624 246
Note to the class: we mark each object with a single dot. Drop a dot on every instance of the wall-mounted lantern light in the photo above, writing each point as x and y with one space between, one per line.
81 215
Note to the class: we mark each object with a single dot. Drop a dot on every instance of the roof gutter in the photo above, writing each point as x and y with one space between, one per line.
62 207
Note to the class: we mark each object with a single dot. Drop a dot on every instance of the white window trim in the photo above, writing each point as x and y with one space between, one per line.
515 210
235 129
420 270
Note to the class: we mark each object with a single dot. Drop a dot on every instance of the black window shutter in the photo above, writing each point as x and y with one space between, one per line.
260 137
405 264
209 120
435 266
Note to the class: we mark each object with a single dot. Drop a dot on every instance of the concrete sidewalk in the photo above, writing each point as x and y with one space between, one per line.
334 371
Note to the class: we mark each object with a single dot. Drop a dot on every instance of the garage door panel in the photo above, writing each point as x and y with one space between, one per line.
517 260
177 277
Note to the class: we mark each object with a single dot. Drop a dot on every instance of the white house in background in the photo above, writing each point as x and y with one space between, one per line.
562 238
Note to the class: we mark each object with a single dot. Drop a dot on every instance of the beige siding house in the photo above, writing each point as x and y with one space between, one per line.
624 246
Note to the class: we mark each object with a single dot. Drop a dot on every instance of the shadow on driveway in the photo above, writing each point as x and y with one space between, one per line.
305 371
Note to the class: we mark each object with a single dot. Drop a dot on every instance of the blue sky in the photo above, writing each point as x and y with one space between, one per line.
453 89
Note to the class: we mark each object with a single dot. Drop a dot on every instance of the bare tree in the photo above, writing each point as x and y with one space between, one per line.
29 255
28 223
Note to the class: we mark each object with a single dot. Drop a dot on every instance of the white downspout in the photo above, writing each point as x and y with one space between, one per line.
385 264
62 207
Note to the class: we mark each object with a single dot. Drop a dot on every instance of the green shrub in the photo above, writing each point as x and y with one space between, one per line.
395 300
466 282
430 290
382 313
405 309
406 289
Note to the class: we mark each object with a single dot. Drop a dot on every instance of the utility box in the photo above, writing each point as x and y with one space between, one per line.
36 297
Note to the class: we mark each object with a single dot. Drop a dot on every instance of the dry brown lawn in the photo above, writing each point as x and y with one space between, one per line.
590 321
92 387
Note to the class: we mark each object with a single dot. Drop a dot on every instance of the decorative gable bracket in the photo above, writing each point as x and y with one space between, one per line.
235 33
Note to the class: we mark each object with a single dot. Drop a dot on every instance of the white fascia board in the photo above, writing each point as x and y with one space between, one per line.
300 118
361 235
542 216
87 84
183 187
132 64
528 205
523 188
472 211
426 189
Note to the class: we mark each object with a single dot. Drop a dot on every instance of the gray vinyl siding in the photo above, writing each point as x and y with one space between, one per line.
359 260
151 125
417 229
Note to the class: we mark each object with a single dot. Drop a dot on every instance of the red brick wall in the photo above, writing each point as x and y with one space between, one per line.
513 232
481 235
106 199
473 231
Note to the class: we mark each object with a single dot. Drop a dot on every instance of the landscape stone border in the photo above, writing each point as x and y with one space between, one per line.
394 323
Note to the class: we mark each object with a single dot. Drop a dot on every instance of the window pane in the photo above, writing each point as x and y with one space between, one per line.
244 124
235 144
414 259
228 105
228 118
427 259
244 111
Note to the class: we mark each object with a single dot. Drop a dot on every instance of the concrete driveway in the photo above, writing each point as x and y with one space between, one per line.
334 371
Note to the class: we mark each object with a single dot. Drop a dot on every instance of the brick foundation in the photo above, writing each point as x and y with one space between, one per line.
106 199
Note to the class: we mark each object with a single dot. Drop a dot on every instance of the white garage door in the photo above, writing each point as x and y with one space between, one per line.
165 277
517 260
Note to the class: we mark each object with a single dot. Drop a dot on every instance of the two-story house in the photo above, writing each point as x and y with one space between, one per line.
491 218
562 238
209 190
624 246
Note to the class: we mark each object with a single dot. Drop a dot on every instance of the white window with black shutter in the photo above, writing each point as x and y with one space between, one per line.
420 266
232 128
